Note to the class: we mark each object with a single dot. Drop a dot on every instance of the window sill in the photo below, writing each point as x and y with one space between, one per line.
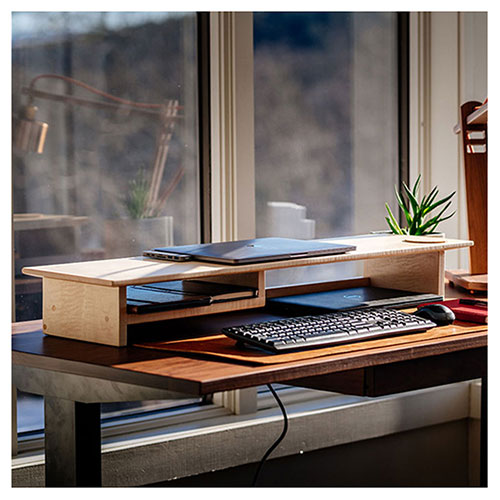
220 441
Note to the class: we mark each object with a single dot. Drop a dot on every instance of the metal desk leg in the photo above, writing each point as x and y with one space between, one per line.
483 458
72 443
14 420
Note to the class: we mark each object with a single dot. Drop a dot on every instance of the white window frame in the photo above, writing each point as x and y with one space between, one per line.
232 126
448 66
224 440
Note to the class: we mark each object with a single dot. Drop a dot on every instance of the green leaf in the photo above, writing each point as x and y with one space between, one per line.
447 217
416 212
416 222
416 185
432 198
136 200
392 222
444 209
413 200
435 221
393 229
440 202
430 222
427 200
404 207
431 229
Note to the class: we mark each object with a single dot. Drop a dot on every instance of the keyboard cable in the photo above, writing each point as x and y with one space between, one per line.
278 441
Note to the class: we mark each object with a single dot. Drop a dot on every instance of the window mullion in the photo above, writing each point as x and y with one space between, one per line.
232 147
232 134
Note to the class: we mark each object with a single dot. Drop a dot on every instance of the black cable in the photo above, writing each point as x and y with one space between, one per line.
278 441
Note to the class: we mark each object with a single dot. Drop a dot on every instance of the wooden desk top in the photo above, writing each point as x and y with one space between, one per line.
159 369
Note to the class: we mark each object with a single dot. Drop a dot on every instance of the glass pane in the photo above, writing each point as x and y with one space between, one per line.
326 127
29 412
115 94
104 144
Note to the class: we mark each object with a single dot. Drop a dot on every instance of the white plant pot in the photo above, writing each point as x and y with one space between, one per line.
130 237
426 238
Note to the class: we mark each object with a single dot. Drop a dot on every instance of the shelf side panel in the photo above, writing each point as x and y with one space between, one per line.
414 273
84 312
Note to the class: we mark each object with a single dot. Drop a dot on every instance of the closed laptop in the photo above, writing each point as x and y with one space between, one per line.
255 250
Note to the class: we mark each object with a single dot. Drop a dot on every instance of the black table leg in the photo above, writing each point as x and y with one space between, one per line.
483 465
72 443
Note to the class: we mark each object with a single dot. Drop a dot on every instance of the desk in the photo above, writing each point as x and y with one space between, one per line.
75 377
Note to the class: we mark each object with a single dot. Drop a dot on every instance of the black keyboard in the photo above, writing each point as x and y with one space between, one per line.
322 330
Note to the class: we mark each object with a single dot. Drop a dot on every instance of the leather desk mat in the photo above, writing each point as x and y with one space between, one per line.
224 348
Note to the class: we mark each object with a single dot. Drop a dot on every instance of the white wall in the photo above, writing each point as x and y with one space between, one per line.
448 61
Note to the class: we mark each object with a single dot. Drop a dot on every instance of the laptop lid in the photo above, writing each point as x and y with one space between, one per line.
349 298
257 250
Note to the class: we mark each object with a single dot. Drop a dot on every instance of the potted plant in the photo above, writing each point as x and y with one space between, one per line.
420 221
144 227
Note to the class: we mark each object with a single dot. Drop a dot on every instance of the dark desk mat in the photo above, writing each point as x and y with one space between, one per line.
224 348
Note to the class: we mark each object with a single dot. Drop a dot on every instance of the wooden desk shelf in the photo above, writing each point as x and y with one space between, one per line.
87 300
473 128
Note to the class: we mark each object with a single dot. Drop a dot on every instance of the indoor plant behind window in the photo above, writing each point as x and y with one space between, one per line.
145 227
420 221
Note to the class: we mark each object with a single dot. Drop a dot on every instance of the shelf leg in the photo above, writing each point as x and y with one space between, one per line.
85 311
415 273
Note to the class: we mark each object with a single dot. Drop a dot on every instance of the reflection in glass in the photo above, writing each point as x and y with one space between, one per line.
105 142
326 126
118 170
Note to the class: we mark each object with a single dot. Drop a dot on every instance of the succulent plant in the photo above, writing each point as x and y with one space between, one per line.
418 213
136 201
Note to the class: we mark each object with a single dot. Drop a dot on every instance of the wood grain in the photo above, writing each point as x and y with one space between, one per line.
216 308
415 273
71 291
153 368
84 312
325 286
403 376
476 186
221 347
467 280
255 280
479 116
139 270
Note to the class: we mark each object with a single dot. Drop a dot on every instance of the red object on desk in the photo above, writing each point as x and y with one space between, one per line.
471 310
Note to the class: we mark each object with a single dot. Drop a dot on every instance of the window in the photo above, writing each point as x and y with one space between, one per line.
326 149
119 168
327 153
97 155
105 143
133 21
